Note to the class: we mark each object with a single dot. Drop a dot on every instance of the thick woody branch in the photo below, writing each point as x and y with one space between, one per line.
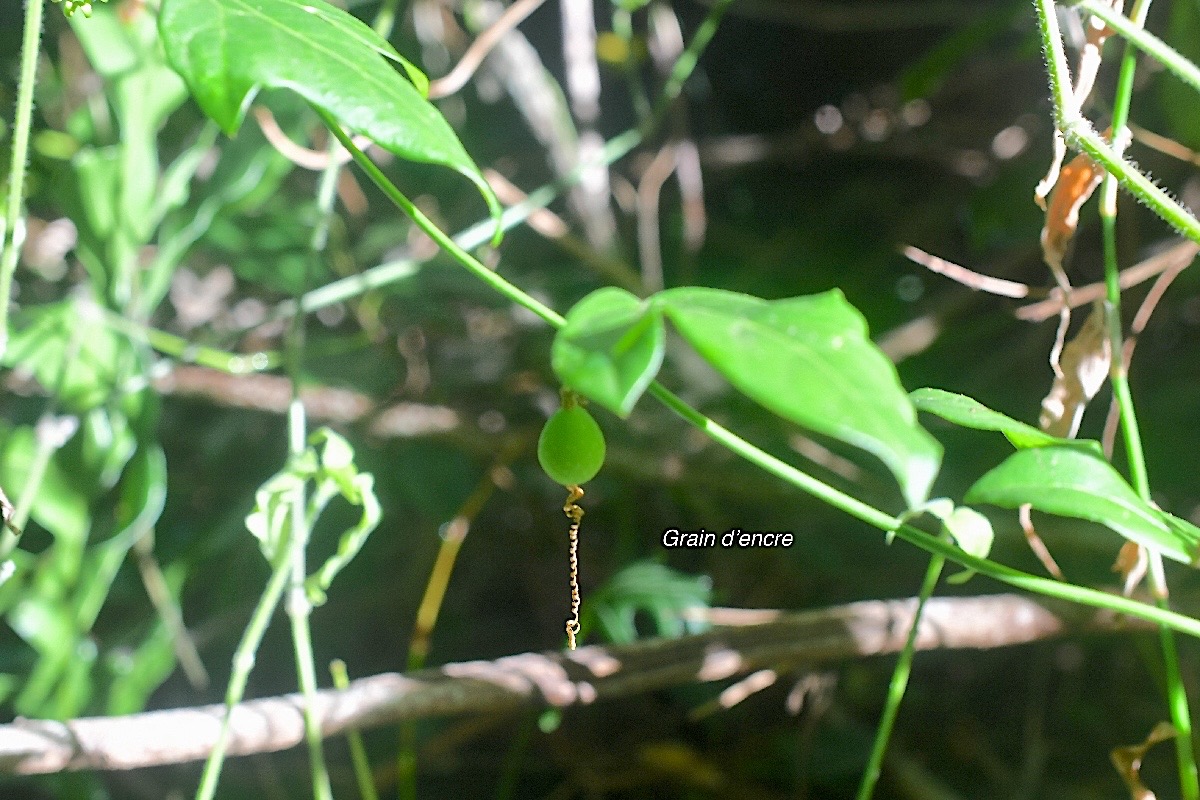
585 676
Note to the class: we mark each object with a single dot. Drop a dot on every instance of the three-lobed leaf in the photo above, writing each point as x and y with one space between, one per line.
1070 482
226 50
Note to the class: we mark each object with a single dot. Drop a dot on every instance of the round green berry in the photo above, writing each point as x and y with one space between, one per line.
571 447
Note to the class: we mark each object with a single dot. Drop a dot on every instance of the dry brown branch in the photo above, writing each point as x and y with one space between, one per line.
298 154
589 674
1164 145
1173 258
969 278
1180 253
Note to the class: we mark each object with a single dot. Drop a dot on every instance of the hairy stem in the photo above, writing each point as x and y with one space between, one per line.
12 234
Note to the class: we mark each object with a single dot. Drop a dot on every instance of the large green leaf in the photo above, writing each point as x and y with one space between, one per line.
1072 483
810 360
226 50
970 413
610 349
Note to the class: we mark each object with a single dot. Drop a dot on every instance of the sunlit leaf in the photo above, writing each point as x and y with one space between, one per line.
1072 483
810 360
610 349
970 413
227 50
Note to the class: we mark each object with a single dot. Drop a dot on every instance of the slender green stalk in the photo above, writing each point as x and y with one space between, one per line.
1181 714
622 26
492 279
898 684
685 65
299 607
1177 699
510 770
1056 64
243 663
12 234
1130 28
480 233
358 753
190 353
1108 221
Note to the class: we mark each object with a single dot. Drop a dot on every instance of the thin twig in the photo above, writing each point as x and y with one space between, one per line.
457 78
1163 144
969 278
648 192
299 155
1180 253
1140 320
1175 257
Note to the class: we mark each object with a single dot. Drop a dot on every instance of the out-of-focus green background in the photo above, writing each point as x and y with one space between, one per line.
829 134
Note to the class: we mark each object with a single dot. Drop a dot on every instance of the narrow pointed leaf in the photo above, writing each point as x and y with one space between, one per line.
227 50
970 413
610 349
1072 483
810 360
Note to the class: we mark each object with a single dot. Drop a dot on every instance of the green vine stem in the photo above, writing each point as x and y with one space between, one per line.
899 684
1177 699
12 234
358 752
1130 28
478 234
243 664
616 148
299 607
1047 587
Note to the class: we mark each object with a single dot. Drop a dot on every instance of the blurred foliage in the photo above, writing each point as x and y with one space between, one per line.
139 208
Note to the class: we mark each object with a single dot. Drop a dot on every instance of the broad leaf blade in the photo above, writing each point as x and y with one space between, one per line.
610 349
809 360
1069 482
970 413
226 50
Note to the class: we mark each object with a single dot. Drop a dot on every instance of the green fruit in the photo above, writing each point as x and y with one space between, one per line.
571 447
